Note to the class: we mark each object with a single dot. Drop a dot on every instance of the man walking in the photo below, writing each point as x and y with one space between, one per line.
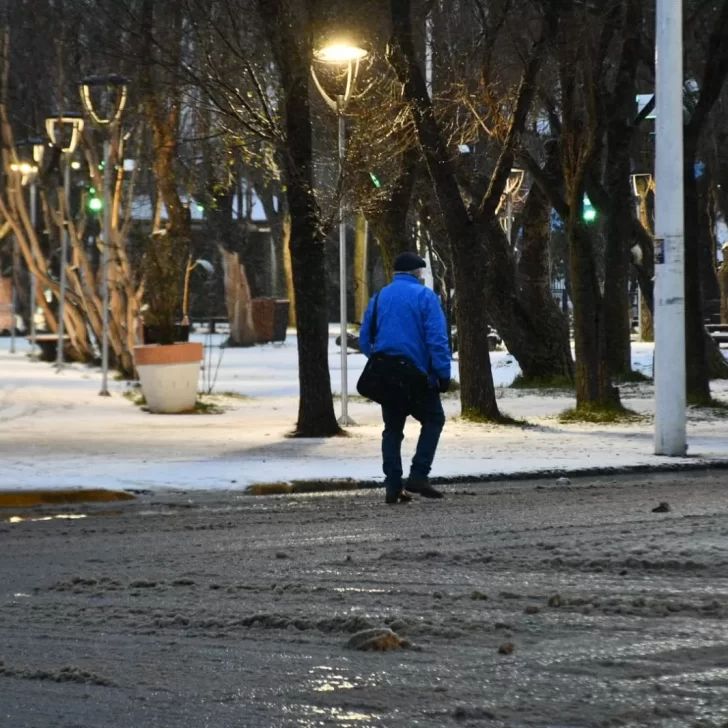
409 324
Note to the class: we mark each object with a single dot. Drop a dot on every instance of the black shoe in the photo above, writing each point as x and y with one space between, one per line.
400 496
422 487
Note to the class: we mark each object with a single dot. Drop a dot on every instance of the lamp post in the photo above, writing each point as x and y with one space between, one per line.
670 390
30 157
64 131
513 187
104 99
348 56
642 185
25 170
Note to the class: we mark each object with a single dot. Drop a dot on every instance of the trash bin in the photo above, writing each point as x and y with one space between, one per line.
264 315
280 329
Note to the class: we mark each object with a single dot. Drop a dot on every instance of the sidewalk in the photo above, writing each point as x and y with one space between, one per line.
56 432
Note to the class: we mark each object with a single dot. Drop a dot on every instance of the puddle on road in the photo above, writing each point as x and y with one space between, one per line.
60 516
330 681
358 590
341 717
38 517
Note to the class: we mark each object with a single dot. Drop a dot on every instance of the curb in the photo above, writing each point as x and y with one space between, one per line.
32 498
298 487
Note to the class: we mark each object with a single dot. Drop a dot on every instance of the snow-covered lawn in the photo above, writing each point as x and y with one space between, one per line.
55 431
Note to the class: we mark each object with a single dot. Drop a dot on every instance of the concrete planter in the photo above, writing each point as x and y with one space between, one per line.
169 376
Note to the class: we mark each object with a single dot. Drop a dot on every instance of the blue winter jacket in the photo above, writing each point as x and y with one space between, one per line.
411 324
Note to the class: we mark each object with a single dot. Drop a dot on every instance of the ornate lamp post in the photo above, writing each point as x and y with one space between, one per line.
348 56
642 185
104 99
29 159
513 187
64 131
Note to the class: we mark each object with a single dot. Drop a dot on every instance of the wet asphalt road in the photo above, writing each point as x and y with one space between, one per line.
195 610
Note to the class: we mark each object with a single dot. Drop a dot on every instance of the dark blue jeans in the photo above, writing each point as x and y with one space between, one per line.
427 410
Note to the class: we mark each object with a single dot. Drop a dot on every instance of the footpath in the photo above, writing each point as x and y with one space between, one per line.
57 434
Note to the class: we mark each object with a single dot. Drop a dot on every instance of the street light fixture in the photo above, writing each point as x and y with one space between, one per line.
64 131
340 53
104 99
28 159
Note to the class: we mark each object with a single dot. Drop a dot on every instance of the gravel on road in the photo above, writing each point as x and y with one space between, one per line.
507 604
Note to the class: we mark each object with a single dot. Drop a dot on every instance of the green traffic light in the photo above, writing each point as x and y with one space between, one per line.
95 204
589 214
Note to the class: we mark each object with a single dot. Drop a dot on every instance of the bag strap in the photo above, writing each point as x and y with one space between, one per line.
373 330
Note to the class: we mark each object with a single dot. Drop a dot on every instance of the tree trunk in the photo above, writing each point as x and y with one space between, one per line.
716 362
698 377
534 279
708 277
580 136
723 280
648 325
477 392
468 255
288 268
593 381
361 269
617 309
390 225
621 108
238 300
294 54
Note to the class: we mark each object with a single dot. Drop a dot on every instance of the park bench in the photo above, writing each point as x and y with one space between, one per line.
48 345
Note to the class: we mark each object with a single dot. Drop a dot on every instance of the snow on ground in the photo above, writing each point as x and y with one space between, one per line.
55 431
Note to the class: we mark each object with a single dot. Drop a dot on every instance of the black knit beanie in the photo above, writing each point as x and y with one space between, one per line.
408 262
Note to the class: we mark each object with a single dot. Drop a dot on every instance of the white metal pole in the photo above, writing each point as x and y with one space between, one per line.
14 303
64 260
105 280
33 279
344 419
670 394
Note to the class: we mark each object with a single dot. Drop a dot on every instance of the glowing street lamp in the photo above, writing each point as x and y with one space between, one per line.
104 99
64 131
341 53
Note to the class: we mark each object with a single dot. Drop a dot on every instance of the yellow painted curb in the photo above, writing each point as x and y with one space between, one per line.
30 498
302 486
269 489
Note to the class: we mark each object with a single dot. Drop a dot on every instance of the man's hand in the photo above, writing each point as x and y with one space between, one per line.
443 385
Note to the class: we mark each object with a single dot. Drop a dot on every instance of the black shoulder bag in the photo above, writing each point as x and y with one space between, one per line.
391 381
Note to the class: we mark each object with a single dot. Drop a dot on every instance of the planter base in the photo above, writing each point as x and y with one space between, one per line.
169 376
